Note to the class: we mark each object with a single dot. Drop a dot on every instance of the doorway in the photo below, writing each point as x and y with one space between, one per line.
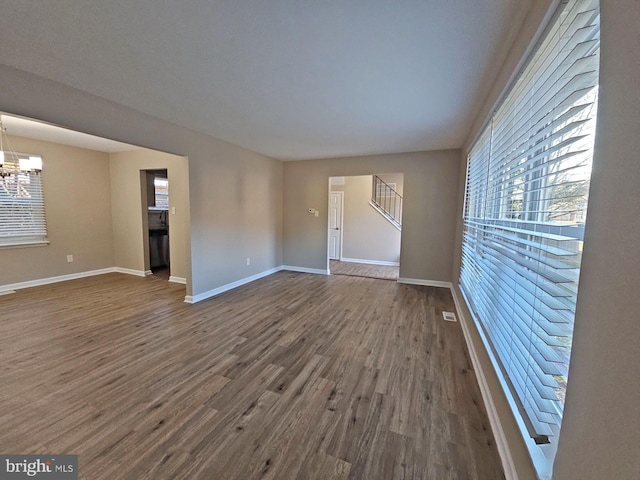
157 215
365 225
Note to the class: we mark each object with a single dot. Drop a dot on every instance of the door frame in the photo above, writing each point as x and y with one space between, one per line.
146 248
341 224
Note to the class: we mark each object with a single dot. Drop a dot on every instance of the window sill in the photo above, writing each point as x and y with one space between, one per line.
24 244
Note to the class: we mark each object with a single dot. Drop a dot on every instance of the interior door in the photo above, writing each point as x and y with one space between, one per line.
335 225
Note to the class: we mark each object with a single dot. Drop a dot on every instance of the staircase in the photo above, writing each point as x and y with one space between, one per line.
386 201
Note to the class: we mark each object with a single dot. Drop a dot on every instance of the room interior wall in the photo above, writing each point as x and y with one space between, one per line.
75 183
129 234
235 195
367 235
238 194
429 217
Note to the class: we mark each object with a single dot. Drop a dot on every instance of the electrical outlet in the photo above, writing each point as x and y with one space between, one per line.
69 258
248 261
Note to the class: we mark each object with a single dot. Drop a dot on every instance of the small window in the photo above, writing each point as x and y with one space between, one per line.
162 193
385 189
22 219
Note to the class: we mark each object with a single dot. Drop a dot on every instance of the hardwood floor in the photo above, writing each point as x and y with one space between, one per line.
383 272
294 376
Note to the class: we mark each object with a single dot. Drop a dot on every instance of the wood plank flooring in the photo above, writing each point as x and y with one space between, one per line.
383 272
294 376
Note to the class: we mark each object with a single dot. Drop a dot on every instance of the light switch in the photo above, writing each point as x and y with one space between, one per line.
317 213
173 210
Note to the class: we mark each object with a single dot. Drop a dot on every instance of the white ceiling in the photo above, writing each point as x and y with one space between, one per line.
22 127
292 79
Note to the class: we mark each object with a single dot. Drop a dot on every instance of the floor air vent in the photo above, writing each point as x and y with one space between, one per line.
449 316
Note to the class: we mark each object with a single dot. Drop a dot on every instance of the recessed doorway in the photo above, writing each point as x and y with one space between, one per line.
365 225
157 211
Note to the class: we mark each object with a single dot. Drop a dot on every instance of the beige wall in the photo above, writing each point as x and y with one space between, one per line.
429 217
129 233
78 213
367 235
235 195
600 434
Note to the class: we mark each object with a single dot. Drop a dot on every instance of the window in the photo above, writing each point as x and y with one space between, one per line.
22 220
525 206
385 189
161 193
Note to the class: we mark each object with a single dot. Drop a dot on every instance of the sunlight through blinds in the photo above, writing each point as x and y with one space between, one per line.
525 206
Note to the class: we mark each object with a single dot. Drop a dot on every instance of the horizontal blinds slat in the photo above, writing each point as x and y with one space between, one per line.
525 203
22 207
520 130
558 252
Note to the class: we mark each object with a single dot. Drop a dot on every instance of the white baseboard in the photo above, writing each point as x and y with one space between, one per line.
181 280
238 283
6 289
316 271
229 286
498 432
130 271
426 283
370 262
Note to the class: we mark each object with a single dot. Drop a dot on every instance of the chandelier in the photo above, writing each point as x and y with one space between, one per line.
12 163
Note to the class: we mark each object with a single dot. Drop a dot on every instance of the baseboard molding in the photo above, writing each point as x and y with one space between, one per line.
316 271
180 280
370 262
130 271
238 283
426 283
229 286
11 288
498 432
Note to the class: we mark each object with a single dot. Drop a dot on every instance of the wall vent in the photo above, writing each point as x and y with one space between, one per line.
449 316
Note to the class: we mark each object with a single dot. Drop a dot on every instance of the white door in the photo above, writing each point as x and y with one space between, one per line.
335 225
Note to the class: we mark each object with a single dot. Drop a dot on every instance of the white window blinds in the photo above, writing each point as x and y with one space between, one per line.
526 197
22 219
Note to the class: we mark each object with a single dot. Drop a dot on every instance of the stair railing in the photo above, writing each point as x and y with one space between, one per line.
387 201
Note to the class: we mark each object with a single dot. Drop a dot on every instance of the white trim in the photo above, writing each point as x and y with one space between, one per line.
40 243
130 271
370 262
385 215
180 280
540 455
508 465
5 289
229 286
7 292
427 283
316 271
